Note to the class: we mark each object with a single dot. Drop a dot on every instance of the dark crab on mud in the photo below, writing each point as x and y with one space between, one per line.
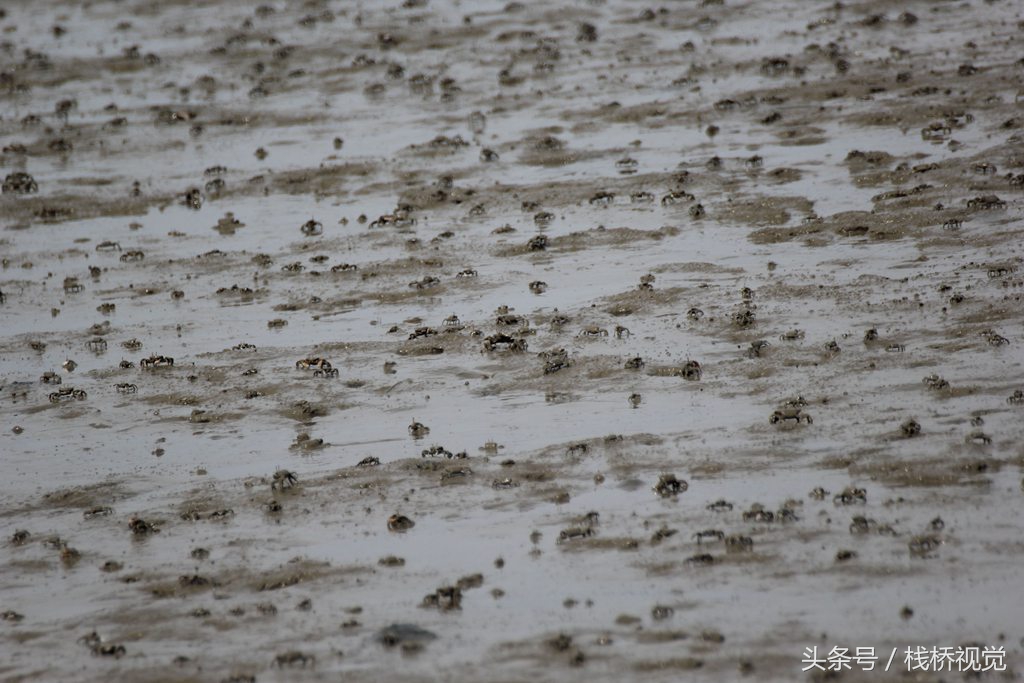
156 361
790 414
67 394
283 479
669 486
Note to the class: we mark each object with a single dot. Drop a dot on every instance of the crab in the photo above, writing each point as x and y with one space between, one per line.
293 658
621 332
312 228
709 533
757 513
719 505
156 361
738 543
50 377
418 429
669 486
538 286
67 394
537 243
758 347
20 183
695 314
126 388
676 196
924 546
636 363
141 527
743 318
935 382
792 335
444 598
910 428
283 479
327 373
575 533
73 286
555 360
851 495
97 345
690 370
1016 398
451 321
131 256
400 523
978 438
500 340
788 414
313 363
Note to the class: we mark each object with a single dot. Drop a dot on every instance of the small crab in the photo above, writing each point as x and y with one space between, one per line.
156 361
788 414
593 331
314 363
695 314
716 534
400 523
792 335
312 228
141 527
738 543
756 348
452 321
910 428
924 546
293 658
743 318
636 363
67 394
1016 398
621 332
126 388
500 341
851 495
283 479
978 438
575 533
669 486
418 429
690 370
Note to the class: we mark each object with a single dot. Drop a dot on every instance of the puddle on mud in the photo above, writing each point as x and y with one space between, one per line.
519 226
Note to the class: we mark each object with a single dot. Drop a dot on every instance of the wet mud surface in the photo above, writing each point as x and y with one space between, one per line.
511 341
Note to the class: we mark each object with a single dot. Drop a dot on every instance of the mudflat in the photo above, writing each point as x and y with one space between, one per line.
439 340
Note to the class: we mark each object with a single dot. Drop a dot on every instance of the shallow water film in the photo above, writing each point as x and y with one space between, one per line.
511 341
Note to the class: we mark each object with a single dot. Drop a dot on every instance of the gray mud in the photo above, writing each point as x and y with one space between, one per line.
554 254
